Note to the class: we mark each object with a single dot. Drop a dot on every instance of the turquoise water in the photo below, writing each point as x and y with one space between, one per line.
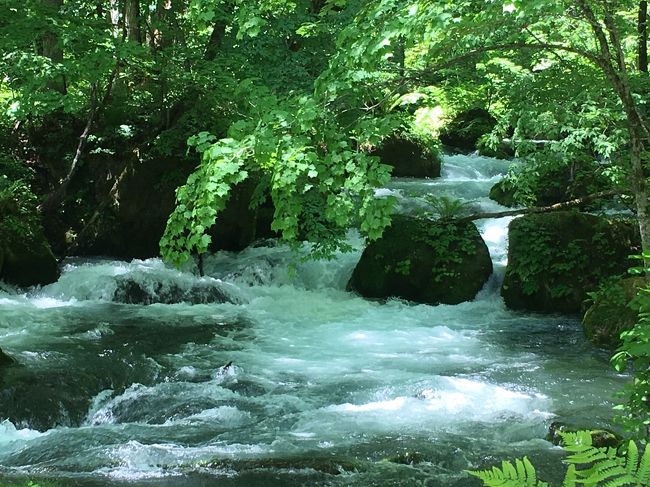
324 386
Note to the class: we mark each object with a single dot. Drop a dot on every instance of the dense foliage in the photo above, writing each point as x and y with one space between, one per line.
588 465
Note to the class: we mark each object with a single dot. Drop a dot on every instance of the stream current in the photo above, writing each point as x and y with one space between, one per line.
324 386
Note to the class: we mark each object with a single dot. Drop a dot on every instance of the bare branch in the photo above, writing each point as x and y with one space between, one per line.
541 209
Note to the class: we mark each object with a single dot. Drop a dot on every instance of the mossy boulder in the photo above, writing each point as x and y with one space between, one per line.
409 158
615 309
5 359
503 194
424 261
28 261
600 438
467 128
555 259
144 194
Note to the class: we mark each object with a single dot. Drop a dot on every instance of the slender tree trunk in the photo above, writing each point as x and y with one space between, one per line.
132 20
51 47
317 6
216 38
643 36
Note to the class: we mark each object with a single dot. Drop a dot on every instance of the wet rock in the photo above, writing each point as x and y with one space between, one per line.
28 262
144 192
409 158
133 291
555 259
425 262
614 310
600 438
467 128
330 466
5 359
407 458
503 195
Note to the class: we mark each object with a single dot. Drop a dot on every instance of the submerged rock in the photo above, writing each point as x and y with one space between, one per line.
600 438
131 290
407 458
409 158
467 128
330 466
424 261
554 259
614 310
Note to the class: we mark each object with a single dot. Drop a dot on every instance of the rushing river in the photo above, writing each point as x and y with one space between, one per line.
324 387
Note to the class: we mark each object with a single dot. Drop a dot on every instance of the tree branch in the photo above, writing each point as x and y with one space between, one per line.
540 209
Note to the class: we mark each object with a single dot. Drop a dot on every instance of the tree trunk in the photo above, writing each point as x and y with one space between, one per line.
51 47
640 191
214 44
643 36
132 19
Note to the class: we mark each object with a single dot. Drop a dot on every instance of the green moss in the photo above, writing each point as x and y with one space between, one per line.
467 128
615 309
25 256
447 262
503 194
410 157
554 259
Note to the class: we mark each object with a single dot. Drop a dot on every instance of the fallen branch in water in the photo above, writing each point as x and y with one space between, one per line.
540 209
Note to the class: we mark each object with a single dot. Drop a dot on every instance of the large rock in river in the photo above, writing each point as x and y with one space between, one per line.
554 259
615 309
467 128
5 359
28 261
424 261
409 158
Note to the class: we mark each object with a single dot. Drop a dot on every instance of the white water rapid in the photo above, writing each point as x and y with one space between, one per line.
324 387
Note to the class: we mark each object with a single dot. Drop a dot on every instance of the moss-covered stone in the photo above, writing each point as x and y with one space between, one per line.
467 128
29 262
554 259
503 195
407 458
5 359
424 261
330 466
615 309
144 198
409 158
600 438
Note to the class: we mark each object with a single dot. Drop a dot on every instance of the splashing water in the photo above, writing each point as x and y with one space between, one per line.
324 387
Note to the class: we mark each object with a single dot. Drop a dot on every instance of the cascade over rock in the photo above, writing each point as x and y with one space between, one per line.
409 158
614 311
464 132
424 261
554 259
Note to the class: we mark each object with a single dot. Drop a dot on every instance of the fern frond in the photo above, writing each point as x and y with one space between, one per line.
643 473
570 477
521 474
529 472
632 458
621 481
